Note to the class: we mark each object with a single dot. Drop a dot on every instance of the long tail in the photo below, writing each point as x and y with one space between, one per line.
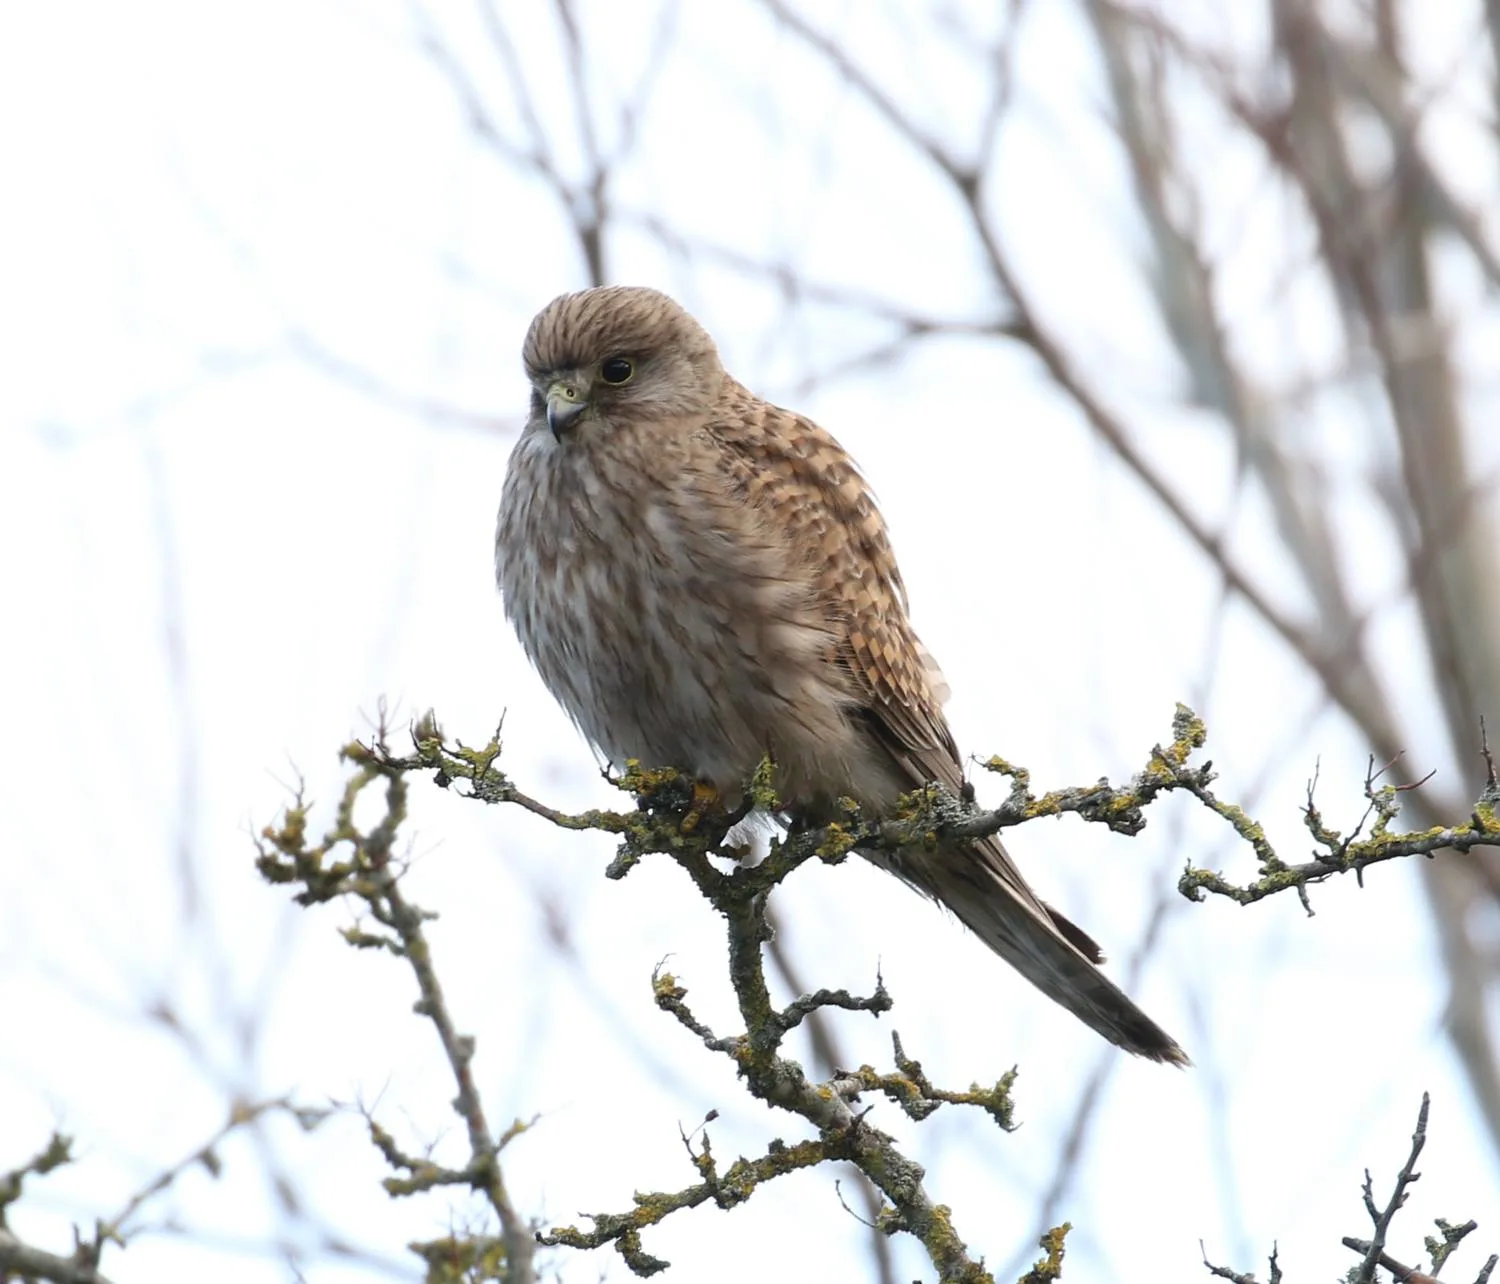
980 884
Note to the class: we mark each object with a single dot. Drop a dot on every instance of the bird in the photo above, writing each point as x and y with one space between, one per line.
702 579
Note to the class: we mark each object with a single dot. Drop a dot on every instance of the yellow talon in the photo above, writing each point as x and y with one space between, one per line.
705 799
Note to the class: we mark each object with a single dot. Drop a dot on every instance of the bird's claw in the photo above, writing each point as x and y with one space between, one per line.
706 798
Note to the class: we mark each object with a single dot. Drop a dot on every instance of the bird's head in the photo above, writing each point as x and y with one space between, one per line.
615 354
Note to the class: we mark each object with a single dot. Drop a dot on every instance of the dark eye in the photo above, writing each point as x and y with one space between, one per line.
616 369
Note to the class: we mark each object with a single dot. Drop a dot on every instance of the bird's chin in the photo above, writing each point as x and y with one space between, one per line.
545 439
562 436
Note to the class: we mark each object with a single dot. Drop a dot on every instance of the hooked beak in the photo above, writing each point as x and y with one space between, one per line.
565 402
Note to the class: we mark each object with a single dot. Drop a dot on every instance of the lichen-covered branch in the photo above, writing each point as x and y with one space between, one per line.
733 1186
843 1133
1372 1251
349 861
928 815
672 816
1370 842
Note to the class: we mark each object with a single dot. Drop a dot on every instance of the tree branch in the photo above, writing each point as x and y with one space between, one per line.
929 816
1372 1251
370 874
670 818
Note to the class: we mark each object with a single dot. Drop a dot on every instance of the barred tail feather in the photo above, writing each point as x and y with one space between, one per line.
983 889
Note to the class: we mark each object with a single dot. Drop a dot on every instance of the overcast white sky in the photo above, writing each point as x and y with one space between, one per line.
220 555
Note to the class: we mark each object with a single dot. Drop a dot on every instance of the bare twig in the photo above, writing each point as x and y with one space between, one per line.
1237 1277
1372 1251
241 1115
27 1263
1382 1218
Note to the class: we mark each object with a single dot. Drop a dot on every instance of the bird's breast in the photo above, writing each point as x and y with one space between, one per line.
604 581
667 620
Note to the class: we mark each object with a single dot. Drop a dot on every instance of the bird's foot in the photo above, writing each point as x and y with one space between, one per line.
706 798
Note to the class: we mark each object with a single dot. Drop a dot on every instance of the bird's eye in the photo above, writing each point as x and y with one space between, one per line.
616 369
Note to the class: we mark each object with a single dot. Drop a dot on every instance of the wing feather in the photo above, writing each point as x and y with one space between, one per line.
802 478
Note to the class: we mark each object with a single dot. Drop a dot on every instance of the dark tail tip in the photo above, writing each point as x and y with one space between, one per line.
1146 1039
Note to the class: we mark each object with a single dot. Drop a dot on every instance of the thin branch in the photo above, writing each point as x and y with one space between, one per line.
820 1033
930 815
1372 1251
370 873
24 1262
1237 1277
870 90
434 411
1382 1218
241 1115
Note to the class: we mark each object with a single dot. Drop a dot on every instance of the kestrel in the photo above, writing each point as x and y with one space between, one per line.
702 579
